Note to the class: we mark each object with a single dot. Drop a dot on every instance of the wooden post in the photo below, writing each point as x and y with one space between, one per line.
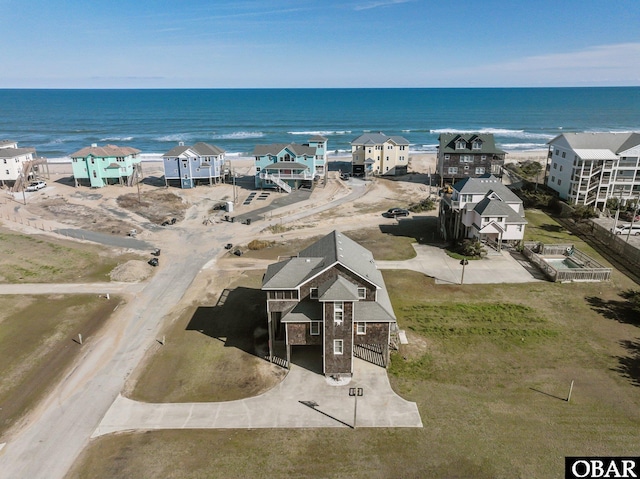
80 338
570 391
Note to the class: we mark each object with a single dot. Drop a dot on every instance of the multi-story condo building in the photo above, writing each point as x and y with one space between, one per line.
17 165
290 166
186 166
483 209
468 155
590 168
106 165
379 154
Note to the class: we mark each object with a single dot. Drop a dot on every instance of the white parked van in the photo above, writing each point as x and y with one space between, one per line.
624 229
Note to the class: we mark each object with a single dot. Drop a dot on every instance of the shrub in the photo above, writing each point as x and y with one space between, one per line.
259 244
425 205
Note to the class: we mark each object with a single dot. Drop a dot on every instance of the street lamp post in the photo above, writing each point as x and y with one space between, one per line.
355 392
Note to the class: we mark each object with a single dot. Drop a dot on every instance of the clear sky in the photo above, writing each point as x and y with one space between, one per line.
303 43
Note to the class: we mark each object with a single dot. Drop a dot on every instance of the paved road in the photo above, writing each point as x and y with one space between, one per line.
72 288
106 239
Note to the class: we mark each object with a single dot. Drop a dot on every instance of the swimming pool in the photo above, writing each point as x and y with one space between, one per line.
563 263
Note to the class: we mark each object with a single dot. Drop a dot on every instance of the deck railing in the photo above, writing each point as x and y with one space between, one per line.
589 270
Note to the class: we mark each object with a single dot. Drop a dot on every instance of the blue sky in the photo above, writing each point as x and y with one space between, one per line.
301 43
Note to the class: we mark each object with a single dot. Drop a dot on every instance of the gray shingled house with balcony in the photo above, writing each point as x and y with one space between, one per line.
468 155
330 295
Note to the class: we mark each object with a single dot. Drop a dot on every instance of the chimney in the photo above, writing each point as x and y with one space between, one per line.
94 145
181 143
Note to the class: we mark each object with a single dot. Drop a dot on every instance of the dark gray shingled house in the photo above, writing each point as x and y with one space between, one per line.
330 295
468 155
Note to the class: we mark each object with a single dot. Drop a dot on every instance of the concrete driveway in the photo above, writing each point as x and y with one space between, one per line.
504 267
304 399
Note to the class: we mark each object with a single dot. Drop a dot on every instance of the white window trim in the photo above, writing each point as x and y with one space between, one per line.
313 293
338 346
362 293
364 327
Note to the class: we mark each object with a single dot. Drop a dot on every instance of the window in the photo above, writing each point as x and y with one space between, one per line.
560 167
553 179
361 328
338 346
518 227
564 154
257 168
452 170
555 166
447 157
559 182
480 170
483 158
338 311
315 328
362 293
461 145
7 172
4 161
466 158
477 145
557 152
313 293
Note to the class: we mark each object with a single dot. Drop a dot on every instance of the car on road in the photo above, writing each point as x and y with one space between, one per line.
35 186
345 176
627 229
395 212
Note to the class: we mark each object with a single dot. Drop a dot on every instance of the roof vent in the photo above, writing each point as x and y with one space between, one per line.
181 143
94 145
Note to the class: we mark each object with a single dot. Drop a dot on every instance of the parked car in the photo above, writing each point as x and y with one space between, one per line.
395 212
36 185
153 262
628 216
172 221
345 176
624 229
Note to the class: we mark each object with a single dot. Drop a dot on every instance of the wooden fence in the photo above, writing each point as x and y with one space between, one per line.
588 270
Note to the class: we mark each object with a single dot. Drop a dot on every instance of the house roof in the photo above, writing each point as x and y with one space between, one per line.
378 139
484 185
303 312
317 138
105 151
13 152
332 249
491 207
447 143
615 142
338 289
276 148
286 165
595 154
200 148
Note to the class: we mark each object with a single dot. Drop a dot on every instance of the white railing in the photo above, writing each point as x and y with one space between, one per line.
304 175
277 181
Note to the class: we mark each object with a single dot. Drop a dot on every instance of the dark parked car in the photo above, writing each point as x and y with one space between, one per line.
153 262
395 212
172 221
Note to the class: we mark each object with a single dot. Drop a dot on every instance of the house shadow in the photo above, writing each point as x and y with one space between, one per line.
238 319
629 366
65 180
423 229
307 357
153 180
532 269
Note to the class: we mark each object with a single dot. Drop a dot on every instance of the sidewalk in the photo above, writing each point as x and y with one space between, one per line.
434 261
303 399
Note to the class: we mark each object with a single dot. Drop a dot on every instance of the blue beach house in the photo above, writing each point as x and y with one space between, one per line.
202 163
290 166
100 166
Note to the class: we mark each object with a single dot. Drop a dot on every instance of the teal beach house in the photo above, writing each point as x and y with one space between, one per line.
290 166
98 166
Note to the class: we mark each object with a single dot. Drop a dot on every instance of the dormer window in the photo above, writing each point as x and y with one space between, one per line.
461 144
477 144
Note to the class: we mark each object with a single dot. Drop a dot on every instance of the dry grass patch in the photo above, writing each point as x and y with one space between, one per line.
213 352
36 344
42 259
157 206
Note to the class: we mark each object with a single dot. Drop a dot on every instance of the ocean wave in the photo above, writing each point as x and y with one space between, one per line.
320 132
503 132
524 146
175 137
117 138
238 135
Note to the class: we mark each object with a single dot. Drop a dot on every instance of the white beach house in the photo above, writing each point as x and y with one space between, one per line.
17 164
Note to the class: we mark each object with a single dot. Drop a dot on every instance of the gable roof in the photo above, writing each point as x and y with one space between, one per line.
483 186
106 151
491 207
13 152
317 138
615 142
276 148
200 148
447 143
338 289
378 139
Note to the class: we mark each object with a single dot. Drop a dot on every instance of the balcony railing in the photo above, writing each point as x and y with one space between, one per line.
302 175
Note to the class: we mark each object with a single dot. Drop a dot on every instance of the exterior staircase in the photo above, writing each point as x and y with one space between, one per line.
22 179
279 182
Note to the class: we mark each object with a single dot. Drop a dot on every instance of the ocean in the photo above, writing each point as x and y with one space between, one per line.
60 122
